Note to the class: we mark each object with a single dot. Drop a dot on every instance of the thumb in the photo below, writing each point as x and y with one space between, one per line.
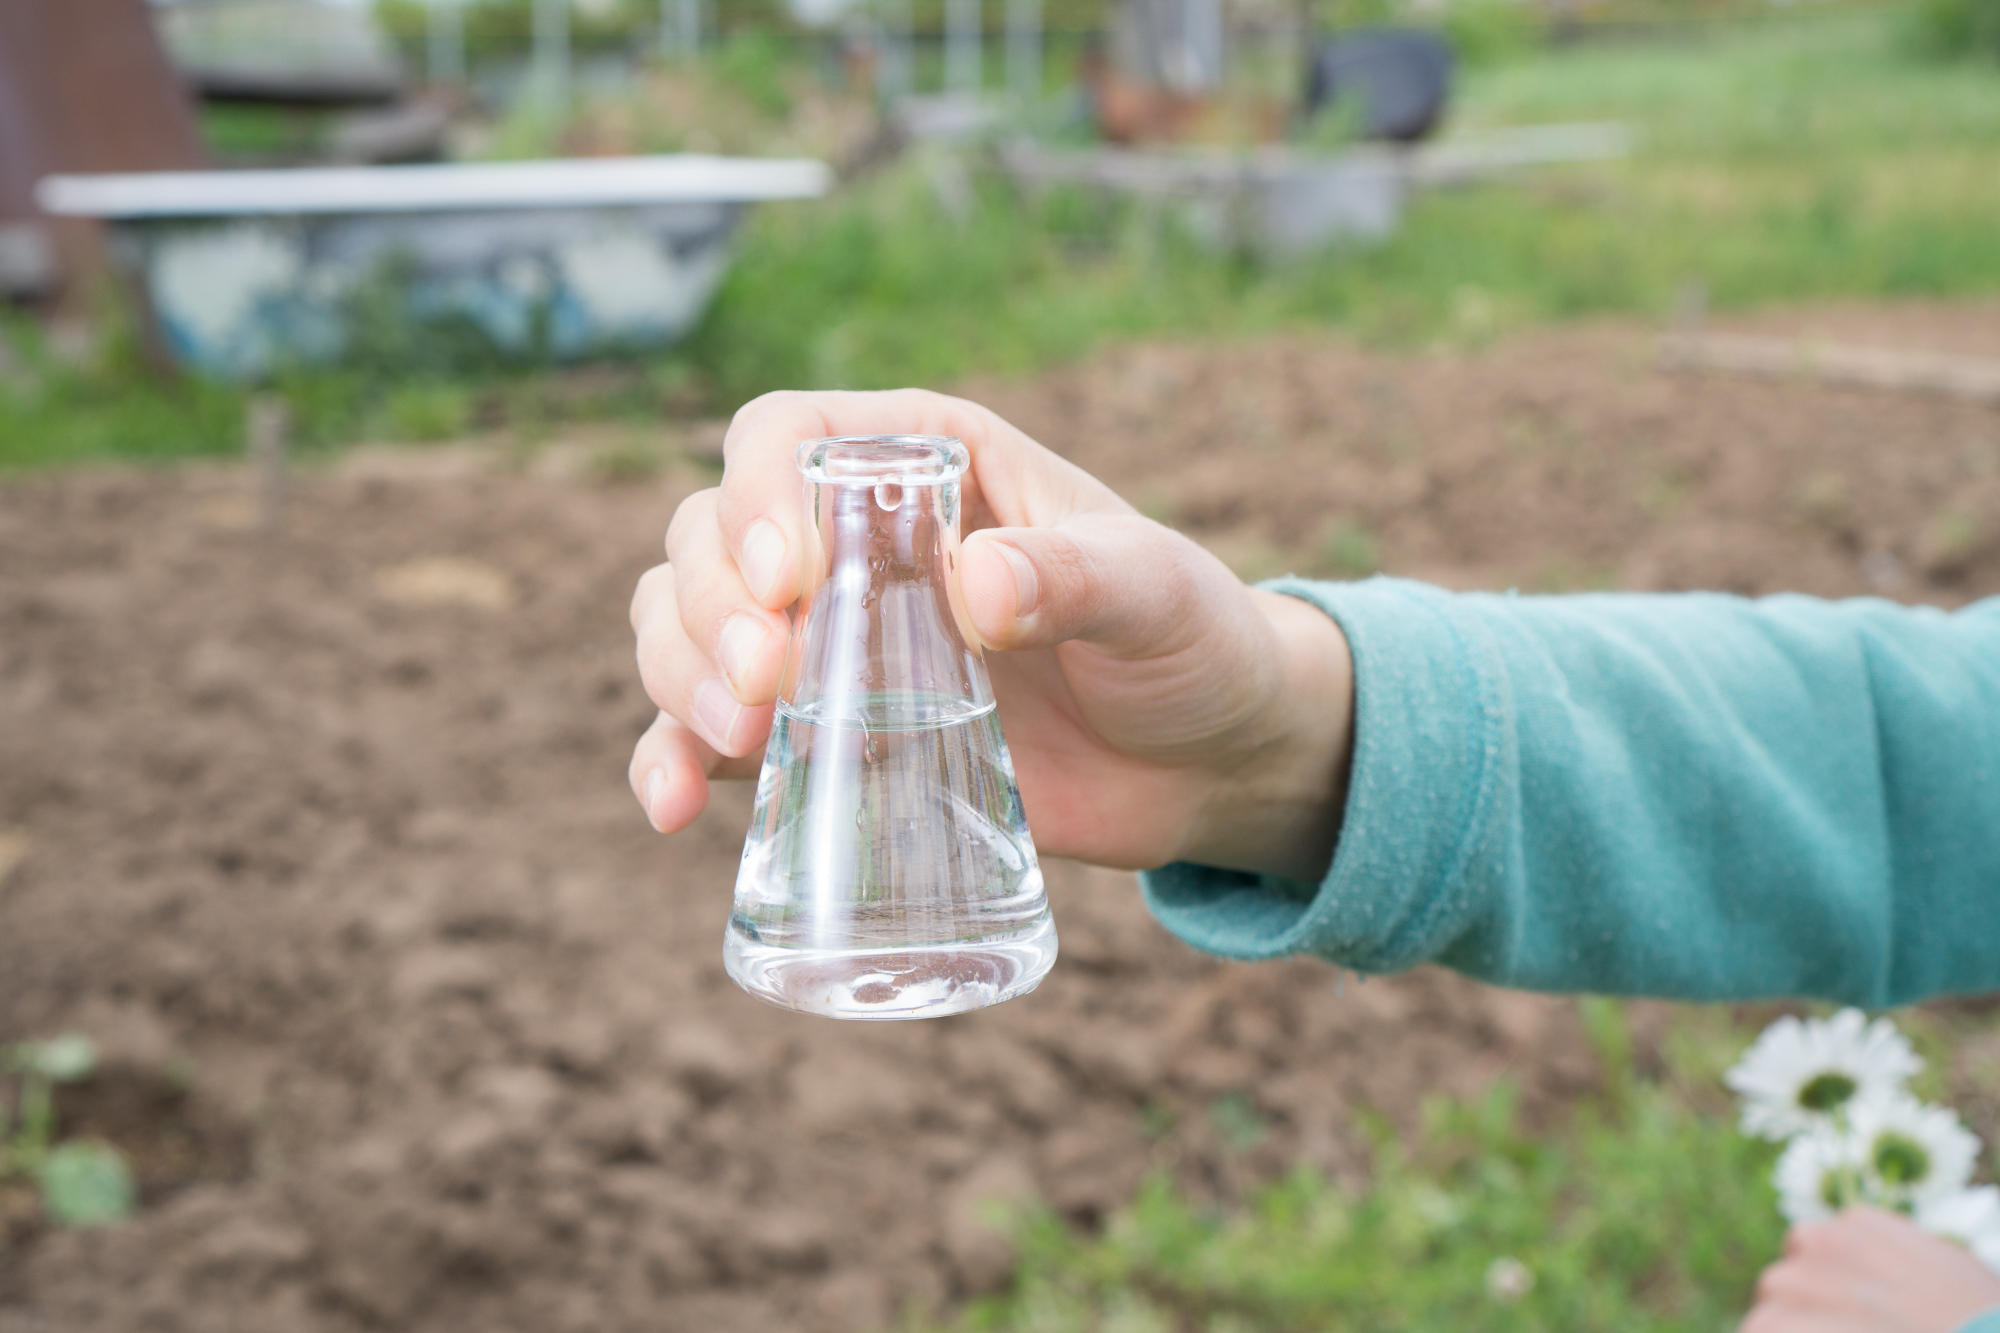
1122 583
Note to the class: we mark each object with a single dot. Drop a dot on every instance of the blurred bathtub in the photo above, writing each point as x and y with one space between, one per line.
248 271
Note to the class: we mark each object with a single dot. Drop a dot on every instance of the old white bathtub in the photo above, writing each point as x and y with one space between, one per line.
247 271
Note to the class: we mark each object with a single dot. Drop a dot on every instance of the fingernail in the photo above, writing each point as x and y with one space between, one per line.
656 787
736 649
1027 588
763 558
717 710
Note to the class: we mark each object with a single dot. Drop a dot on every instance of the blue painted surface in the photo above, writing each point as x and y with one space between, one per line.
238 298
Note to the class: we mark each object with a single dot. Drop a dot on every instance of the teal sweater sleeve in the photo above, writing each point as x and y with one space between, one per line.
1687 795
1983 1323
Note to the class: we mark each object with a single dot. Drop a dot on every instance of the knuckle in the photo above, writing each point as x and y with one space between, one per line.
654 618
655 583
702 611
1864 1220
1173 563
1070 568
697 509
659 673
931 399
1812 1240
764 404
1846 1238
1778 1281
1179 558
773 398
646 751
1073 585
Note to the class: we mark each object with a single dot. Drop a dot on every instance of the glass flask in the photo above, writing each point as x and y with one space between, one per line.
888 872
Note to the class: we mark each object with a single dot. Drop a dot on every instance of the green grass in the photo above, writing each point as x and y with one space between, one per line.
409 386
1781 163
1644 1212
1956 29
1778 161
56 409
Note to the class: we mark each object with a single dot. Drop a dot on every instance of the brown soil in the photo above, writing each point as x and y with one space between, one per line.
410 1021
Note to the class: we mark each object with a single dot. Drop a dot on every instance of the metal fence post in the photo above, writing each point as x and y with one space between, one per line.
444 33
895 79
551 56
961 47
680 28
267 422
1024 51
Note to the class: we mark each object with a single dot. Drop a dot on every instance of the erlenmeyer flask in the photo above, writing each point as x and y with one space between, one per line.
888 872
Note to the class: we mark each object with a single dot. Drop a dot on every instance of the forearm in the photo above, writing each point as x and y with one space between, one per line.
1693 796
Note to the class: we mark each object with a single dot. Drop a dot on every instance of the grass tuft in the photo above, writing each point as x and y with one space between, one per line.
1644 1212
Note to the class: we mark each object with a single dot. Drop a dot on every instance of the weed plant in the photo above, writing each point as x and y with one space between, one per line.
1645 1212
1956 29
82 1182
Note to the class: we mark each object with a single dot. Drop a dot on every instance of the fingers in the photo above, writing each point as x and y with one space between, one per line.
1799 1296
1870 1271
709 623
1119 582
759 510
761 516
717 611
685 681
1774 1319
1795 1284
670 770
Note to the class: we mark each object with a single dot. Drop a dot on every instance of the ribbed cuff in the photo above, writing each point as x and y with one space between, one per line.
1430 741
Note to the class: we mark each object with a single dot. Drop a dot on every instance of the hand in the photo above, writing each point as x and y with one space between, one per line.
1869 1271
1155 707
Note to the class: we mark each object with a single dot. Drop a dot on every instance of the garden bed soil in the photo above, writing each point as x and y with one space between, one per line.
410 1022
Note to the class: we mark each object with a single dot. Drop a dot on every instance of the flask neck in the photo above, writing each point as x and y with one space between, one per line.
882 642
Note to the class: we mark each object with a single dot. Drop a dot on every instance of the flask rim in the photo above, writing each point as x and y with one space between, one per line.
867 460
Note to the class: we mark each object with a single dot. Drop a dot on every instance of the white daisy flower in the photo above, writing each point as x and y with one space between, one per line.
1797 1074
1821 1172
1912 1151
1970 1217
1508 1279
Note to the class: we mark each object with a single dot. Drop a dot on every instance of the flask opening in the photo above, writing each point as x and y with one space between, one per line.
870 460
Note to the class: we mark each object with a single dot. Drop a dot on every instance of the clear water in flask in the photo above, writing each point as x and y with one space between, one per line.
889 874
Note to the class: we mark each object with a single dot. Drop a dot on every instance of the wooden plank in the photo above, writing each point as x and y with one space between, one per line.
84 86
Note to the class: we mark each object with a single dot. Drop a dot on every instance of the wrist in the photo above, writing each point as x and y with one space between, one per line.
1275 807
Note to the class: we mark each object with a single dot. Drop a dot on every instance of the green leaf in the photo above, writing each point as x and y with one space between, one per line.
63 1059
86 1184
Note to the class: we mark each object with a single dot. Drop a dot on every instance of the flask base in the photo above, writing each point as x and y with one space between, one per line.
890 984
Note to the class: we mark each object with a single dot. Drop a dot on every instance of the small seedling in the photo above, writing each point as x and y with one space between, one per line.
82 1182
1348 551
1952 541
1663 495
631 458
1236 1122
